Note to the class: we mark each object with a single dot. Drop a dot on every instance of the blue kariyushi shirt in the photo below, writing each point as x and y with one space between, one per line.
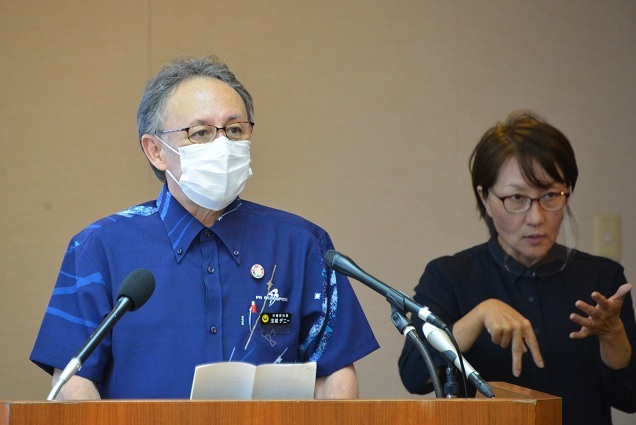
209 295
452 286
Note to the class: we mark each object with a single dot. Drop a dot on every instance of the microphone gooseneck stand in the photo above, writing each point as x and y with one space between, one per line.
401 303
406 328
397 299
133 292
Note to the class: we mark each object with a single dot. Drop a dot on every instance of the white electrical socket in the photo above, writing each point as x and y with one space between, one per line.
607 236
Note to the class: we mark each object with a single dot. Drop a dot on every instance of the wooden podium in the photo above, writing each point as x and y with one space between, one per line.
512 405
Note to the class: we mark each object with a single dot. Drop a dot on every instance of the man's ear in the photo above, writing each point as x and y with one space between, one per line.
154 151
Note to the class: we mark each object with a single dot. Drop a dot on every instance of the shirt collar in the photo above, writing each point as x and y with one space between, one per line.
557 258
182 228
230 228
512 270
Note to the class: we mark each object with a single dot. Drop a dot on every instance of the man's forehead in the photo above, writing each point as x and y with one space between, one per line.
205 94
213 86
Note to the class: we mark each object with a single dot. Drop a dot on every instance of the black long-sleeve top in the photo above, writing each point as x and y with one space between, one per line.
452 286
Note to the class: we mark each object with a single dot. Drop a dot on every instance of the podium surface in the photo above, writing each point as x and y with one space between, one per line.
511 405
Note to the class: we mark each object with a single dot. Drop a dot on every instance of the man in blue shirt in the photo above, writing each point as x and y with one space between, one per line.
223 266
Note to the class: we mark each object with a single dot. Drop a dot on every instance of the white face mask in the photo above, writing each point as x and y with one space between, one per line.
213 174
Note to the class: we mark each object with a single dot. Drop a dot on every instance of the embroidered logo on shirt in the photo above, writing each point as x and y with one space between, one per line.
273 296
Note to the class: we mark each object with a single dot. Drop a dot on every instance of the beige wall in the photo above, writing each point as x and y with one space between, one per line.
366 114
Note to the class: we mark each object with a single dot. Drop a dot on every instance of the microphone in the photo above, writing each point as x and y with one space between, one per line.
442 343
133 292
345 265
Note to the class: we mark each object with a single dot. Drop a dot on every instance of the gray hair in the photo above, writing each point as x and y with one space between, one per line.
152 105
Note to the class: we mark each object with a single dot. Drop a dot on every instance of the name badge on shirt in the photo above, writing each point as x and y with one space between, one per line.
277 323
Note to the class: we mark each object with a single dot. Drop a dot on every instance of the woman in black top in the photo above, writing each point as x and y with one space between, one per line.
523 308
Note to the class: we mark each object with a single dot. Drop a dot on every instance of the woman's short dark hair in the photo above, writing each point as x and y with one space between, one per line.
531 141
159 88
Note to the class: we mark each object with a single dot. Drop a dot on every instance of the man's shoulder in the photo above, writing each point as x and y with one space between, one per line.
280 218
114 222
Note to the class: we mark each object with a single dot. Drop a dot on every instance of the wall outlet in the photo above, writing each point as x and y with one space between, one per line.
607 236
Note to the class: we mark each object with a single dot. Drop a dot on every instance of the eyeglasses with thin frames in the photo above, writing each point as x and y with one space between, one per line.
205 133
551 201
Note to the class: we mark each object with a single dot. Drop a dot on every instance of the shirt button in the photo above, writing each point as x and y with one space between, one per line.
531 299
179 251
207 233
210 270
236 253
213 330
537 331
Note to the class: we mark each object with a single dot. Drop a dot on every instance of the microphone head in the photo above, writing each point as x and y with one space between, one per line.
330 256
138 286
428 329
